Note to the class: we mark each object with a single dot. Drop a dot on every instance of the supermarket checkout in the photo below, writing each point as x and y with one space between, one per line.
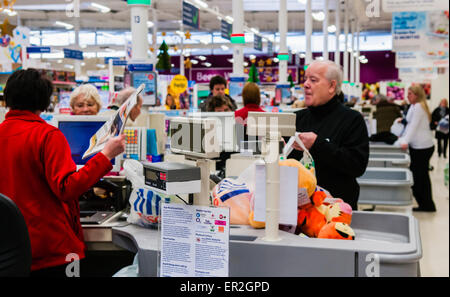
32 150
335 135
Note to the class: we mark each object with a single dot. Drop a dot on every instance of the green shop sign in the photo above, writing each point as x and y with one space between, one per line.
139 2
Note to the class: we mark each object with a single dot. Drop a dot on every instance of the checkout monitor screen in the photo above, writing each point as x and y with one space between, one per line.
78 134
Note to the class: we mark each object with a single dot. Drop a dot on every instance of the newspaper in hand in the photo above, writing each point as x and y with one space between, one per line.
114 126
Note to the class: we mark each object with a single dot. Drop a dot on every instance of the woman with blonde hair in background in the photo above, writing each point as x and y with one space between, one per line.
418 137
85 100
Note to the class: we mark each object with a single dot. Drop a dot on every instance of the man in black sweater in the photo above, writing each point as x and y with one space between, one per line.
335 135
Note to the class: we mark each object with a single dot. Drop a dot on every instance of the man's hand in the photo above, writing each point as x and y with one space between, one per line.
114 147
308 139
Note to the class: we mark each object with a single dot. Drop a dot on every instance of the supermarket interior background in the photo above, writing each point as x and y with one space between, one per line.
176 47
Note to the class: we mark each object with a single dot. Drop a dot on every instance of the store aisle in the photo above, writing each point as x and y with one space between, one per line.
434 228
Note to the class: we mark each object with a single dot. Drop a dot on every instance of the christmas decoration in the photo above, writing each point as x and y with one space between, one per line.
253 75
7 28
188 63
291 80
163 58
187 35
261 63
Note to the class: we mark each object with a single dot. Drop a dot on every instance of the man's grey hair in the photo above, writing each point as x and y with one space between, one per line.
123 95
334 72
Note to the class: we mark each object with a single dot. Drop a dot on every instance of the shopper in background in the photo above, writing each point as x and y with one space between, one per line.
335 135
219 103
418 137
39 175
85 100
385 116
442 138
123 95
252 100
217 86
170 103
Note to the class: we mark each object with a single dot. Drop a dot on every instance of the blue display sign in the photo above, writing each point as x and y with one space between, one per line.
149 78
140 67
116 61
269 48
38 49
191 15
257 43
226 29
73 54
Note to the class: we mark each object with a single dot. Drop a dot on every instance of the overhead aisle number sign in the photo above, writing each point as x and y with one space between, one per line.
226 30
191 15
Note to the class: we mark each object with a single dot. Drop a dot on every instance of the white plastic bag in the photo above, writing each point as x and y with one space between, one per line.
397 128
307 159
144 202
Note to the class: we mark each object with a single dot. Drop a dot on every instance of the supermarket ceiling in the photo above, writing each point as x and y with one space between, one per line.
260 14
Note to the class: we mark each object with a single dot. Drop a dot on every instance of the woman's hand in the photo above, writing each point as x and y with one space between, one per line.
114 147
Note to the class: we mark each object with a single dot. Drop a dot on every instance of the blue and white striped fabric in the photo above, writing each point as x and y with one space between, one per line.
227 189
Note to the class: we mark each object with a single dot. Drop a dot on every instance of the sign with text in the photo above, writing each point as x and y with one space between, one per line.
414 5
38 49
257 43
191 15
194 241
269 48
424 31
226 29
73 54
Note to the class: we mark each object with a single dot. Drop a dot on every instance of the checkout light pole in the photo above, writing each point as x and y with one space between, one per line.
308 31
238 38
283 54
139 29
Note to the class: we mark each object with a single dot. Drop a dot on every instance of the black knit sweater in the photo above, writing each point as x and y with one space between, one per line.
341 150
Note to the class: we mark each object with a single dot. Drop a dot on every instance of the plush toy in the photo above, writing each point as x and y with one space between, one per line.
336 230
319 218
236 196
307 181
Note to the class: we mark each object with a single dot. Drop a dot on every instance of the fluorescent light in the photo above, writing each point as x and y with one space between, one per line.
252 57
101 66
10 12
62 24
254 30
332 29
224 47
150 24
302 1
59 61
207 64
276 60
201 3
103 9
69 66
229 19
302 56
204 42
203 58
195 62
318 16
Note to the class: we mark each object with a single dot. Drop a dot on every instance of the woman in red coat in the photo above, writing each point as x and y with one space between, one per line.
38 173
252 99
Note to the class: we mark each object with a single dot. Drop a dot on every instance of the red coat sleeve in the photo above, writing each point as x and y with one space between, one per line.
61 172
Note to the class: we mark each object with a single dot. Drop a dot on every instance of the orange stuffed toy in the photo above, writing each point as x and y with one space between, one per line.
336 230
325 217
